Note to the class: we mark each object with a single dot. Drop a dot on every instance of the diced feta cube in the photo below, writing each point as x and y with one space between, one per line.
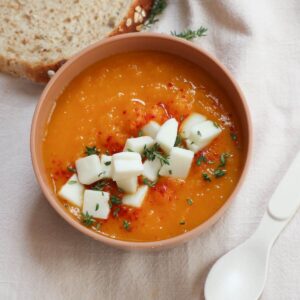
88 169
202 134
128 185
151 168
192 146
136 199
180 163
126 165
106 167
151 129
167 134
138 144
126 156
189 122
96 204
72 191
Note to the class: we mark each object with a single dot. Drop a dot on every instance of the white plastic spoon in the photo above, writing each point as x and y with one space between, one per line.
241 273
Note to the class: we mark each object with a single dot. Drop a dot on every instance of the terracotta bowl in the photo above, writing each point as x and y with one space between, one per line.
115 45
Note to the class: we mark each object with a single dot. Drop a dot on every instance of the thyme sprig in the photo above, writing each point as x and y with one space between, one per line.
155 152
157 9
190 34
87 219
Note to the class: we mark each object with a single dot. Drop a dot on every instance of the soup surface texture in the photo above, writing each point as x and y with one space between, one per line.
110 102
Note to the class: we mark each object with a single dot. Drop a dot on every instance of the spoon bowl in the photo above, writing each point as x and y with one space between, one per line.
242 272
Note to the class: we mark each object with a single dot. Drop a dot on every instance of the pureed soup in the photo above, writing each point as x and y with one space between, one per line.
182 143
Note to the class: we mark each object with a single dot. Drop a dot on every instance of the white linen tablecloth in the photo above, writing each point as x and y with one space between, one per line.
42 257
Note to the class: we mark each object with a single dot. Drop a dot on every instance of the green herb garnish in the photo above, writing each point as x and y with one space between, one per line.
206 177
126 225
199 132
116 212
178 141
91 150
219 173
182 222
100 185
97 207
170 172
140 133
154 152
148 182
223 159
115 200
190 34
216 125
87 219
201 159
189 201
71 169
72 182
157 9
107 163
233 136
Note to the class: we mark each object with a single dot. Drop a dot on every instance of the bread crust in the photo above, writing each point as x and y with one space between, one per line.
136 16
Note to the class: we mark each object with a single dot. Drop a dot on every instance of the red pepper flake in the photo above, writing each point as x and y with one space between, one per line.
161 188
124 112
170 85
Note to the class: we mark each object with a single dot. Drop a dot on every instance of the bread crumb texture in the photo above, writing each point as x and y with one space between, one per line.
40 35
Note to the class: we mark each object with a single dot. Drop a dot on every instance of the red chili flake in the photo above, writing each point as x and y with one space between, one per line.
170 84
161 188
124 112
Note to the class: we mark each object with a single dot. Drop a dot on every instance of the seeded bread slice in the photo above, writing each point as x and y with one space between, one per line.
38 36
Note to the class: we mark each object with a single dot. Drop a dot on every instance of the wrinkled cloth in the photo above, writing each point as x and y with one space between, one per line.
42 257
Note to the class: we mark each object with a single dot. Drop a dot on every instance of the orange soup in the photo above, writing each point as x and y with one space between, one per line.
110 102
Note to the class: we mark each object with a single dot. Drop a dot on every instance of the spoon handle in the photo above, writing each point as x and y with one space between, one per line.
286 199
282 206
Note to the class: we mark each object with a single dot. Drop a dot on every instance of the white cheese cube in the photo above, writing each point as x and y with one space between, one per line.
106 167
96 204
151 129
202 134
126 165
180 163
128 185
189 122
136 199
72 191
151 169
192 146
138 144
167 134
88 169
126 156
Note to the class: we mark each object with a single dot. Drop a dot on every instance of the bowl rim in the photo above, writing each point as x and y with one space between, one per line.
123 244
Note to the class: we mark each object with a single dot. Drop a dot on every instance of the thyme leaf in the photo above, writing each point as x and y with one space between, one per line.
91 150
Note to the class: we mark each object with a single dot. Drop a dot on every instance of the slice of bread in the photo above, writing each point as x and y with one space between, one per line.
38 36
